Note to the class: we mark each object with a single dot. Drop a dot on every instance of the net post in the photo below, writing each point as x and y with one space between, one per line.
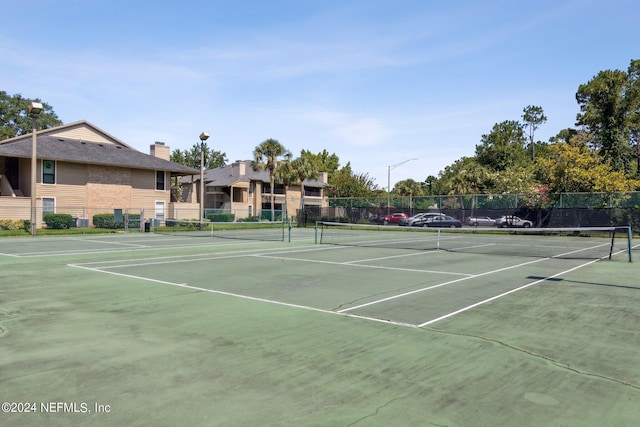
315 233
289 232
629 241
613 238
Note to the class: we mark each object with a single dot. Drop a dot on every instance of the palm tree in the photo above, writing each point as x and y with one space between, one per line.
286 174
304 169
266 157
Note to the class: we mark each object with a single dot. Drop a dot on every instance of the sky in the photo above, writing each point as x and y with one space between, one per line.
398 88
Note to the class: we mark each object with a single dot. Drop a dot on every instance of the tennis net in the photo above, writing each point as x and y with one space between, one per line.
570 243
278 231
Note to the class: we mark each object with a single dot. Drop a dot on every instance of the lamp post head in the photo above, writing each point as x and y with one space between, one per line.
204 136
35 108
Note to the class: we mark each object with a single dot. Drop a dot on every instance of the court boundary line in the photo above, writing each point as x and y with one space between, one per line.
346 312
353 264
190 257
503 294
467 278
247 297
109 250
439 285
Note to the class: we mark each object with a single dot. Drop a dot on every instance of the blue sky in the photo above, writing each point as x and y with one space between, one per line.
375 82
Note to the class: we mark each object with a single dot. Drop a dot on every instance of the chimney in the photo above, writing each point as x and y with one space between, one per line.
160 151
238 168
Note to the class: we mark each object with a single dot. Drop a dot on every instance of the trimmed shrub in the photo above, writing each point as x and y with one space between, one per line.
108 221
221 217
250 219
58 221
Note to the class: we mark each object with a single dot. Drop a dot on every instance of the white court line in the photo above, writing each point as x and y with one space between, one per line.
390 257
109 251
415 291
187 258
345 311
10 255
469 307
230 294
462 279
111 243
350 264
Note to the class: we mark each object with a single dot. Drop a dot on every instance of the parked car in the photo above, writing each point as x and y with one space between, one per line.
409 221
442 221
513 221
483 221
394 218
375 218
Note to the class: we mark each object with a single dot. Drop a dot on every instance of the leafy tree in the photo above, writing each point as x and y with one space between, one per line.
502 147
633 108
15 119
533 117
515 179
604 113
408 187
464 176
428 186
212 159
575 168
323 161
347 183
565 135
267 156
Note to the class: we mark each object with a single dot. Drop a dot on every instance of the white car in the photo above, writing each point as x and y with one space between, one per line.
513 221
482 221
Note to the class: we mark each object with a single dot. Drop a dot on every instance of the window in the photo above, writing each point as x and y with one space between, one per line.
277 189
48 172
160 211
48 205
160 180
238 195
312 192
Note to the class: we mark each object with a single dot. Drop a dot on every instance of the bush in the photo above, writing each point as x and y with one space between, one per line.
15 224
221 217
108 221
58 221
250 219
189 223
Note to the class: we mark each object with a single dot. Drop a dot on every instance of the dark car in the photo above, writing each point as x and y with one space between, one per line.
513 221
442 221
375 219
394 218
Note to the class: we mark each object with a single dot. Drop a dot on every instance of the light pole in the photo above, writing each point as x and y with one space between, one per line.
203 137
35 108
389 183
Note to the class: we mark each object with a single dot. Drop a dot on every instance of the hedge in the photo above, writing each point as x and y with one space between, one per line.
221 217
108 221
58 221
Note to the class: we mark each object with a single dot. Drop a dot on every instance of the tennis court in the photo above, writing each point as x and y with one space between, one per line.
169 329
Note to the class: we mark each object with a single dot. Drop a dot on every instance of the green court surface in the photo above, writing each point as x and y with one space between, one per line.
143 329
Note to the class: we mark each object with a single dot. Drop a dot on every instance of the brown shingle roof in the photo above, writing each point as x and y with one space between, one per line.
78 151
